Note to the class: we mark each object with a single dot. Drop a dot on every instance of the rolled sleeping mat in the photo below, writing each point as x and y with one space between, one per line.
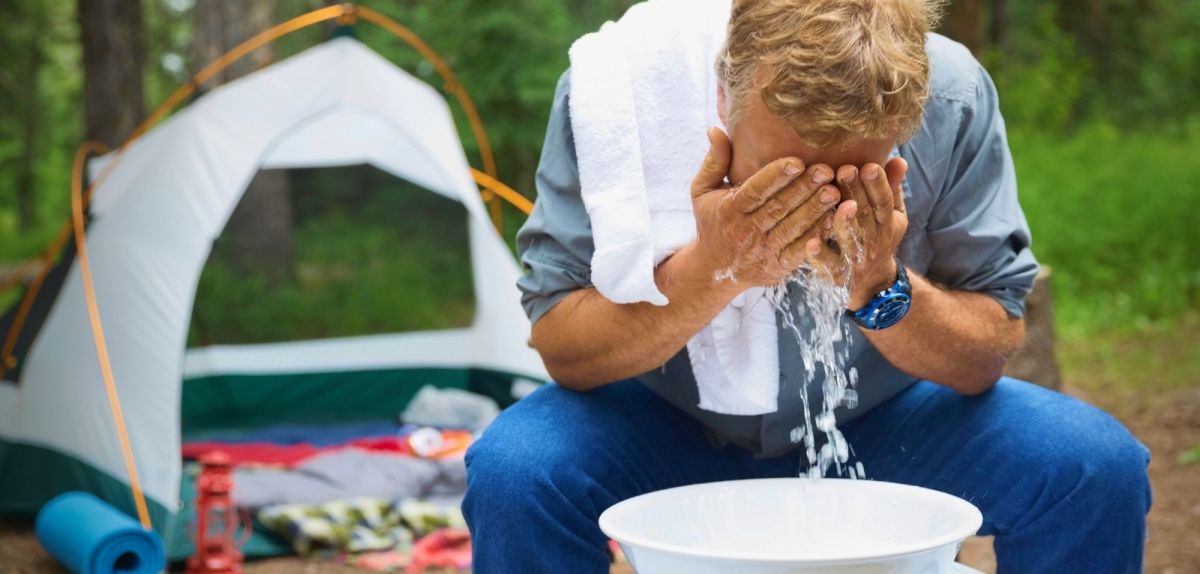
88 536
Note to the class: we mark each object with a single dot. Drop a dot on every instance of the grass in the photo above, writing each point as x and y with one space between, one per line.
348 281
1112 213
1158 362
377 256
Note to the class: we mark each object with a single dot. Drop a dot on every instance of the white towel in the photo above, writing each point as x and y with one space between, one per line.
643 95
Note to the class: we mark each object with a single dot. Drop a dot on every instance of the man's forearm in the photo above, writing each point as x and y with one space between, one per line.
587 341
959 339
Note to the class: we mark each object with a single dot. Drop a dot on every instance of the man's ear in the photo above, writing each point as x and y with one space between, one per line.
721 107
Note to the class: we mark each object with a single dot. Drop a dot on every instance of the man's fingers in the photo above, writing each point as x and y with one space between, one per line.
810 248
849 178
716 164
810 245
804 218
766 183
897 170
846 230
808 184
800 191
769 215
829 263
803 250
875 182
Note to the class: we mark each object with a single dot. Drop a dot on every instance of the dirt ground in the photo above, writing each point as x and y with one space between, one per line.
1168 423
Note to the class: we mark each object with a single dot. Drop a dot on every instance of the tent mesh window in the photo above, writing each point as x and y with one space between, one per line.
334 252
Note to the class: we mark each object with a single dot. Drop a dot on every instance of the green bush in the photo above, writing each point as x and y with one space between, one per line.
1040 84
1111 212
378 257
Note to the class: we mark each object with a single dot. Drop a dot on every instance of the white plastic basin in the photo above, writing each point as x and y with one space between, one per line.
792 526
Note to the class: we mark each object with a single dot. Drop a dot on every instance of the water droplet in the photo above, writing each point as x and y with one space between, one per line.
725 274
797 435
850 398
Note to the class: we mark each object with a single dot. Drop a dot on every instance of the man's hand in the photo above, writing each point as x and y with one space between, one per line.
869 225
764 229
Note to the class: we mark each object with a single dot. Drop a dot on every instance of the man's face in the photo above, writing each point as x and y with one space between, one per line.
759 138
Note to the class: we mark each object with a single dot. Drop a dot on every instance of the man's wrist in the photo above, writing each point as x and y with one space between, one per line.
691 271
859 297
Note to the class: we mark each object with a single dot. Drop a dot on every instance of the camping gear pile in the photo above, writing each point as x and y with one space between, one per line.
382 495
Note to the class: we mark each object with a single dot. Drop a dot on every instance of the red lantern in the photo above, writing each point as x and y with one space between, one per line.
217 520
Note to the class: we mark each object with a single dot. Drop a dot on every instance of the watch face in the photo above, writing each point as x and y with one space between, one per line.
891 310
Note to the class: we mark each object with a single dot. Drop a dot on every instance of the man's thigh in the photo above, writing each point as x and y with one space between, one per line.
618 441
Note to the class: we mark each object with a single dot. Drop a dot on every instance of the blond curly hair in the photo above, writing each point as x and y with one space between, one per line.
838 71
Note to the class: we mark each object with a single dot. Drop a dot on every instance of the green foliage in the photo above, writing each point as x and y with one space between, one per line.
373 255
167 46
1040 84
351 281
48 97
1146 54
1131 62
1111 213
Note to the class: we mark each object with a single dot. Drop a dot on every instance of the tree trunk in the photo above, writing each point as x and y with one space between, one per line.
110 32
1087 21
964 23
999 37
26 215
258 234
220 25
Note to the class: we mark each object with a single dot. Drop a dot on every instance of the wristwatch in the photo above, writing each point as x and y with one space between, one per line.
889 306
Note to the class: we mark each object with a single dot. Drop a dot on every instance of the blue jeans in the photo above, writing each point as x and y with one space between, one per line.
1062 485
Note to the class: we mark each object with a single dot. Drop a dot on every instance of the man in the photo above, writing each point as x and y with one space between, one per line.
815 95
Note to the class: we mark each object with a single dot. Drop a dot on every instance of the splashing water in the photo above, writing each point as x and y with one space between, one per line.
815 319
812 304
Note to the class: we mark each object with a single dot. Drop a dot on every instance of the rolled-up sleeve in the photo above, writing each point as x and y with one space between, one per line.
978 233
555 244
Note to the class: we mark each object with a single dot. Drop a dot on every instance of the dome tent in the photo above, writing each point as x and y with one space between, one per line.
153 223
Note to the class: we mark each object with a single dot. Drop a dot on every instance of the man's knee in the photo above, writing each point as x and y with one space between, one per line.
520 465
1114 464
529 487
1084 451
506 458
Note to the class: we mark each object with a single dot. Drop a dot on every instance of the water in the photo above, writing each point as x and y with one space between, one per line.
815 319
812 304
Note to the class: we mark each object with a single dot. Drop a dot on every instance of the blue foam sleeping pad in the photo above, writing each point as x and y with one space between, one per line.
88 536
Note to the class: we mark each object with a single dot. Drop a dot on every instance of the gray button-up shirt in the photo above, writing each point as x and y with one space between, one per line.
966 231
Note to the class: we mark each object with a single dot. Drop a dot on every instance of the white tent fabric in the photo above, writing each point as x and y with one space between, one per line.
155 219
